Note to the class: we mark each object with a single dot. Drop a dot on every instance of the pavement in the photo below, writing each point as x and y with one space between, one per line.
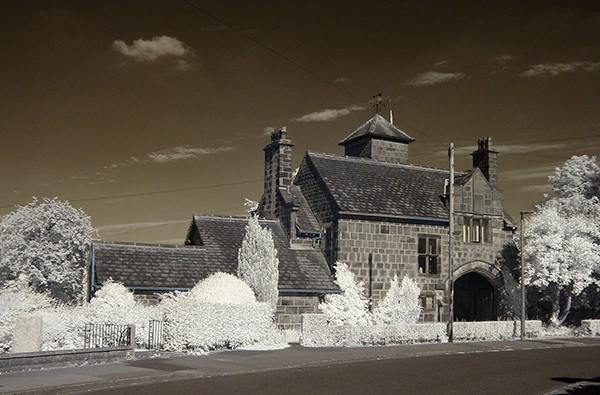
150 367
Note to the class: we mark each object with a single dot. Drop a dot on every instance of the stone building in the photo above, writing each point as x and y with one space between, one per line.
383 216
369 208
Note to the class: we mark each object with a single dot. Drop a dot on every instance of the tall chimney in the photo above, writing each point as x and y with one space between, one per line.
278 171
487 160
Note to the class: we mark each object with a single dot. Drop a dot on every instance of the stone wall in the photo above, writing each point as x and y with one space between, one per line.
385 249
290 309
376 251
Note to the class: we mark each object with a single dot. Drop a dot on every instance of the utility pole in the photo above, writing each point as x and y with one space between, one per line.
451 243
523 274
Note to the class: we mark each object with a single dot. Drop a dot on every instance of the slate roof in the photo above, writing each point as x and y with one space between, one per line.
306 218
367 186
145 266
299 269
157 267
379 127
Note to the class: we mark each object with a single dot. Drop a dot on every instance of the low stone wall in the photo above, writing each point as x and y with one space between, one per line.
36 360
291 308
591 326
494 330
317 333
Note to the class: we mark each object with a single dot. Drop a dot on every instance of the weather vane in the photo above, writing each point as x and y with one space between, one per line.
376 102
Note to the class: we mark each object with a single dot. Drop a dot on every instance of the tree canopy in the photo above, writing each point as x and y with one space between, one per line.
562 236
258 264
44 246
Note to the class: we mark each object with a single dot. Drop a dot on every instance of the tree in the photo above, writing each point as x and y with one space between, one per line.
258 263
580 175
562 237
400 304
350 306
44 246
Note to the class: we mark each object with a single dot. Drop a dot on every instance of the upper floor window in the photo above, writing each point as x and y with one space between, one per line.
429 254
475 230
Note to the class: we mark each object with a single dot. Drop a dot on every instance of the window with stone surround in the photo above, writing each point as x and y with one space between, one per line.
475 230
429 254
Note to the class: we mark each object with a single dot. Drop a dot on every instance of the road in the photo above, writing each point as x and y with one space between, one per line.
528 372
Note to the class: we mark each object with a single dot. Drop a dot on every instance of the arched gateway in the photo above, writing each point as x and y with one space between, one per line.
474 299
476 295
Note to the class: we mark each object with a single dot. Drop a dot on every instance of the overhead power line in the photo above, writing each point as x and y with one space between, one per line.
277 53
155 192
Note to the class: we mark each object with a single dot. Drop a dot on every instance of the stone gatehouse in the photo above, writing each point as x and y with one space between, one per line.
383 216
369 208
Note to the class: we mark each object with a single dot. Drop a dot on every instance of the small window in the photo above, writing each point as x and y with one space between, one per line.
428 255
475 230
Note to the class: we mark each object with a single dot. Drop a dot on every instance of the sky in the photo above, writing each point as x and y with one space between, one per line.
144 112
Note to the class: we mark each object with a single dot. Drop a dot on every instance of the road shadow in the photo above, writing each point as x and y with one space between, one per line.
587 387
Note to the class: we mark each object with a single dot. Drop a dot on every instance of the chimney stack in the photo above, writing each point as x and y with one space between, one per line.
487 160
278 171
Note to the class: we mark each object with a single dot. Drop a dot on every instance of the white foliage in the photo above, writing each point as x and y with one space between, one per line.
222 288
561 246
350 306
562 238
44 246
195 321
579 175
258 263
400 304
13 303
199 321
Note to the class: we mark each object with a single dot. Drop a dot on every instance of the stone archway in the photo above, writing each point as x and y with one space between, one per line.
474 298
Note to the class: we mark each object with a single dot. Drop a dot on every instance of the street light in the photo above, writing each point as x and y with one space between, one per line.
523 213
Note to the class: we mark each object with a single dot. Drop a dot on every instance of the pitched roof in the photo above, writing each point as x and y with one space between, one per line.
306 218
366 186
145 266
169 267
299 269
378 127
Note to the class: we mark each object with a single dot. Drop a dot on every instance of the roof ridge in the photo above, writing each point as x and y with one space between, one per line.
144 245
379 163
231 217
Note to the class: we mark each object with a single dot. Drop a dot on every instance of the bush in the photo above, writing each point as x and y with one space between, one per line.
219 312
400 304
349 307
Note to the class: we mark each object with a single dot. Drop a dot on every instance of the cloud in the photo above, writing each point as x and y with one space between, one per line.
435 77
327 115
268 131
554 69
504 58
184 152
541 188
132 227
159 47
524 148
530 173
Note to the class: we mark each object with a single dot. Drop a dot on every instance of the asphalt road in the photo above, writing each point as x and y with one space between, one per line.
538 371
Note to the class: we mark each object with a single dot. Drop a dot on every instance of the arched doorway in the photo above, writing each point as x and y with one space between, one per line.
473 298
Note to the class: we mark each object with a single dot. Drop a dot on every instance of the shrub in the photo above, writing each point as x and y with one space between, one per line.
400 304
350 306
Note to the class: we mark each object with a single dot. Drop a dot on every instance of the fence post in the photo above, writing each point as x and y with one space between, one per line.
132 340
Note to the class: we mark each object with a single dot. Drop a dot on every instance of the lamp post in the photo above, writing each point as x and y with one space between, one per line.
523 213
451 244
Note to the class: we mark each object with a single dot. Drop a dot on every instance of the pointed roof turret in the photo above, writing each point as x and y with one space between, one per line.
378 127
380 140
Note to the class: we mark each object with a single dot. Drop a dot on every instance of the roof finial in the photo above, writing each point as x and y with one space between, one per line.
376 102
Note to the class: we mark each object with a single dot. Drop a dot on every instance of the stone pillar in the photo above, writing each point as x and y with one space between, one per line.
27 336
